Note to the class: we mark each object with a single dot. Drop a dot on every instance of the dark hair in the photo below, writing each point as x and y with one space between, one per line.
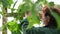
52 22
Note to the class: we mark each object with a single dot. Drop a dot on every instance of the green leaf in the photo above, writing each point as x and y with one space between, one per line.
33 20
13 26
6 3
57 17
16 32
51 4
44 2
10 1
22 9
12 10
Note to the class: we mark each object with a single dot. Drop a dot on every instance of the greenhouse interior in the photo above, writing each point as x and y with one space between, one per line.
29 16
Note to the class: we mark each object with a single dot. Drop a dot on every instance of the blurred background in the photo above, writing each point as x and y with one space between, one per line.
57 2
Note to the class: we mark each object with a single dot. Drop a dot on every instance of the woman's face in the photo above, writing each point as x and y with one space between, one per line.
45 19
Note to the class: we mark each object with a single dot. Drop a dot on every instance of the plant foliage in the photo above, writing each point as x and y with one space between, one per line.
22 9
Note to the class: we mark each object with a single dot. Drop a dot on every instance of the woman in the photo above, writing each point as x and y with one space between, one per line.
48 18
49 21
